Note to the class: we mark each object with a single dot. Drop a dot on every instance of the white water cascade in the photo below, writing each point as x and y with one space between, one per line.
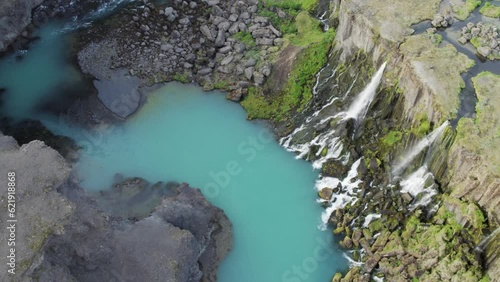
340 200
329 141
484 242
360 105
414 151
420 182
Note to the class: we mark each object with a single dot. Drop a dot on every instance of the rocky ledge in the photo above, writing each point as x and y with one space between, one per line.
63 235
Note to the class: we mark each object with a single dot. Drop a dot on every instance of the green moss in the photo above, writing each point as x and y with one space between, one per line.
463 11
392 137
476 41
256 105
423 127
490 10
181 77
221 84
246 38
324 152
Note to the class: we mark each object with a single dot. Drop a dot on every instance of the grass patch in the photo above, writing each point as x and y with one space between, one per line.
490 10
297 5
463 11
308 30
245 37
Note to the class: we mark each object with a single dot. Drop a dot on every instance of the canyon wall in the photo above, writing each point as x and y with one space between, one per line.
428 74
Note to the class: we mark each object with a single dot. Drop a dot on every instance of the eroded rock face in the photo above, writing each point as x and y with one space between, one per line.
184 239
65 236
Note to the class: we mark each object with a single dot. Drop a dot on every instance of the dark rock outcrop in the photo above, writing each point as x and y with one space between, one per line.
65 236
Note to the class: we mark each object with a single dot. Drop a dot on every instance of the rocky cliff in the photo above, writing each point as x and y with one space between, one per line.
429 77
64 235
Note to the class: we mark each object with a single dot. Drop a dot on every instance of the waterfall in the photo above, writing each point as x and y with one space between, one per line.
414 151
484 242
420 182
360 105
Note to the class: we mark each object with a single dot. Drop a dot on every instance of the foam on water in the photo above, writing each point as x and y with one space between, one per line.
346 196
420 182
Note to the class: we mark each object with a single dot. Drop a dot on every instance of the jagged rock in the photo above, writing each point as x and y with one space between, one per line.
265 41
484 51
227 60
245 15
236 94
185 21
253 27
234 28
233 17
475 31
275 31
193 5
239 48
325 193
205 71
221 38
261 32
371 263
225 49
250 63
259 19
462 40
206 31
224 25
258 78
265 69
249 72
